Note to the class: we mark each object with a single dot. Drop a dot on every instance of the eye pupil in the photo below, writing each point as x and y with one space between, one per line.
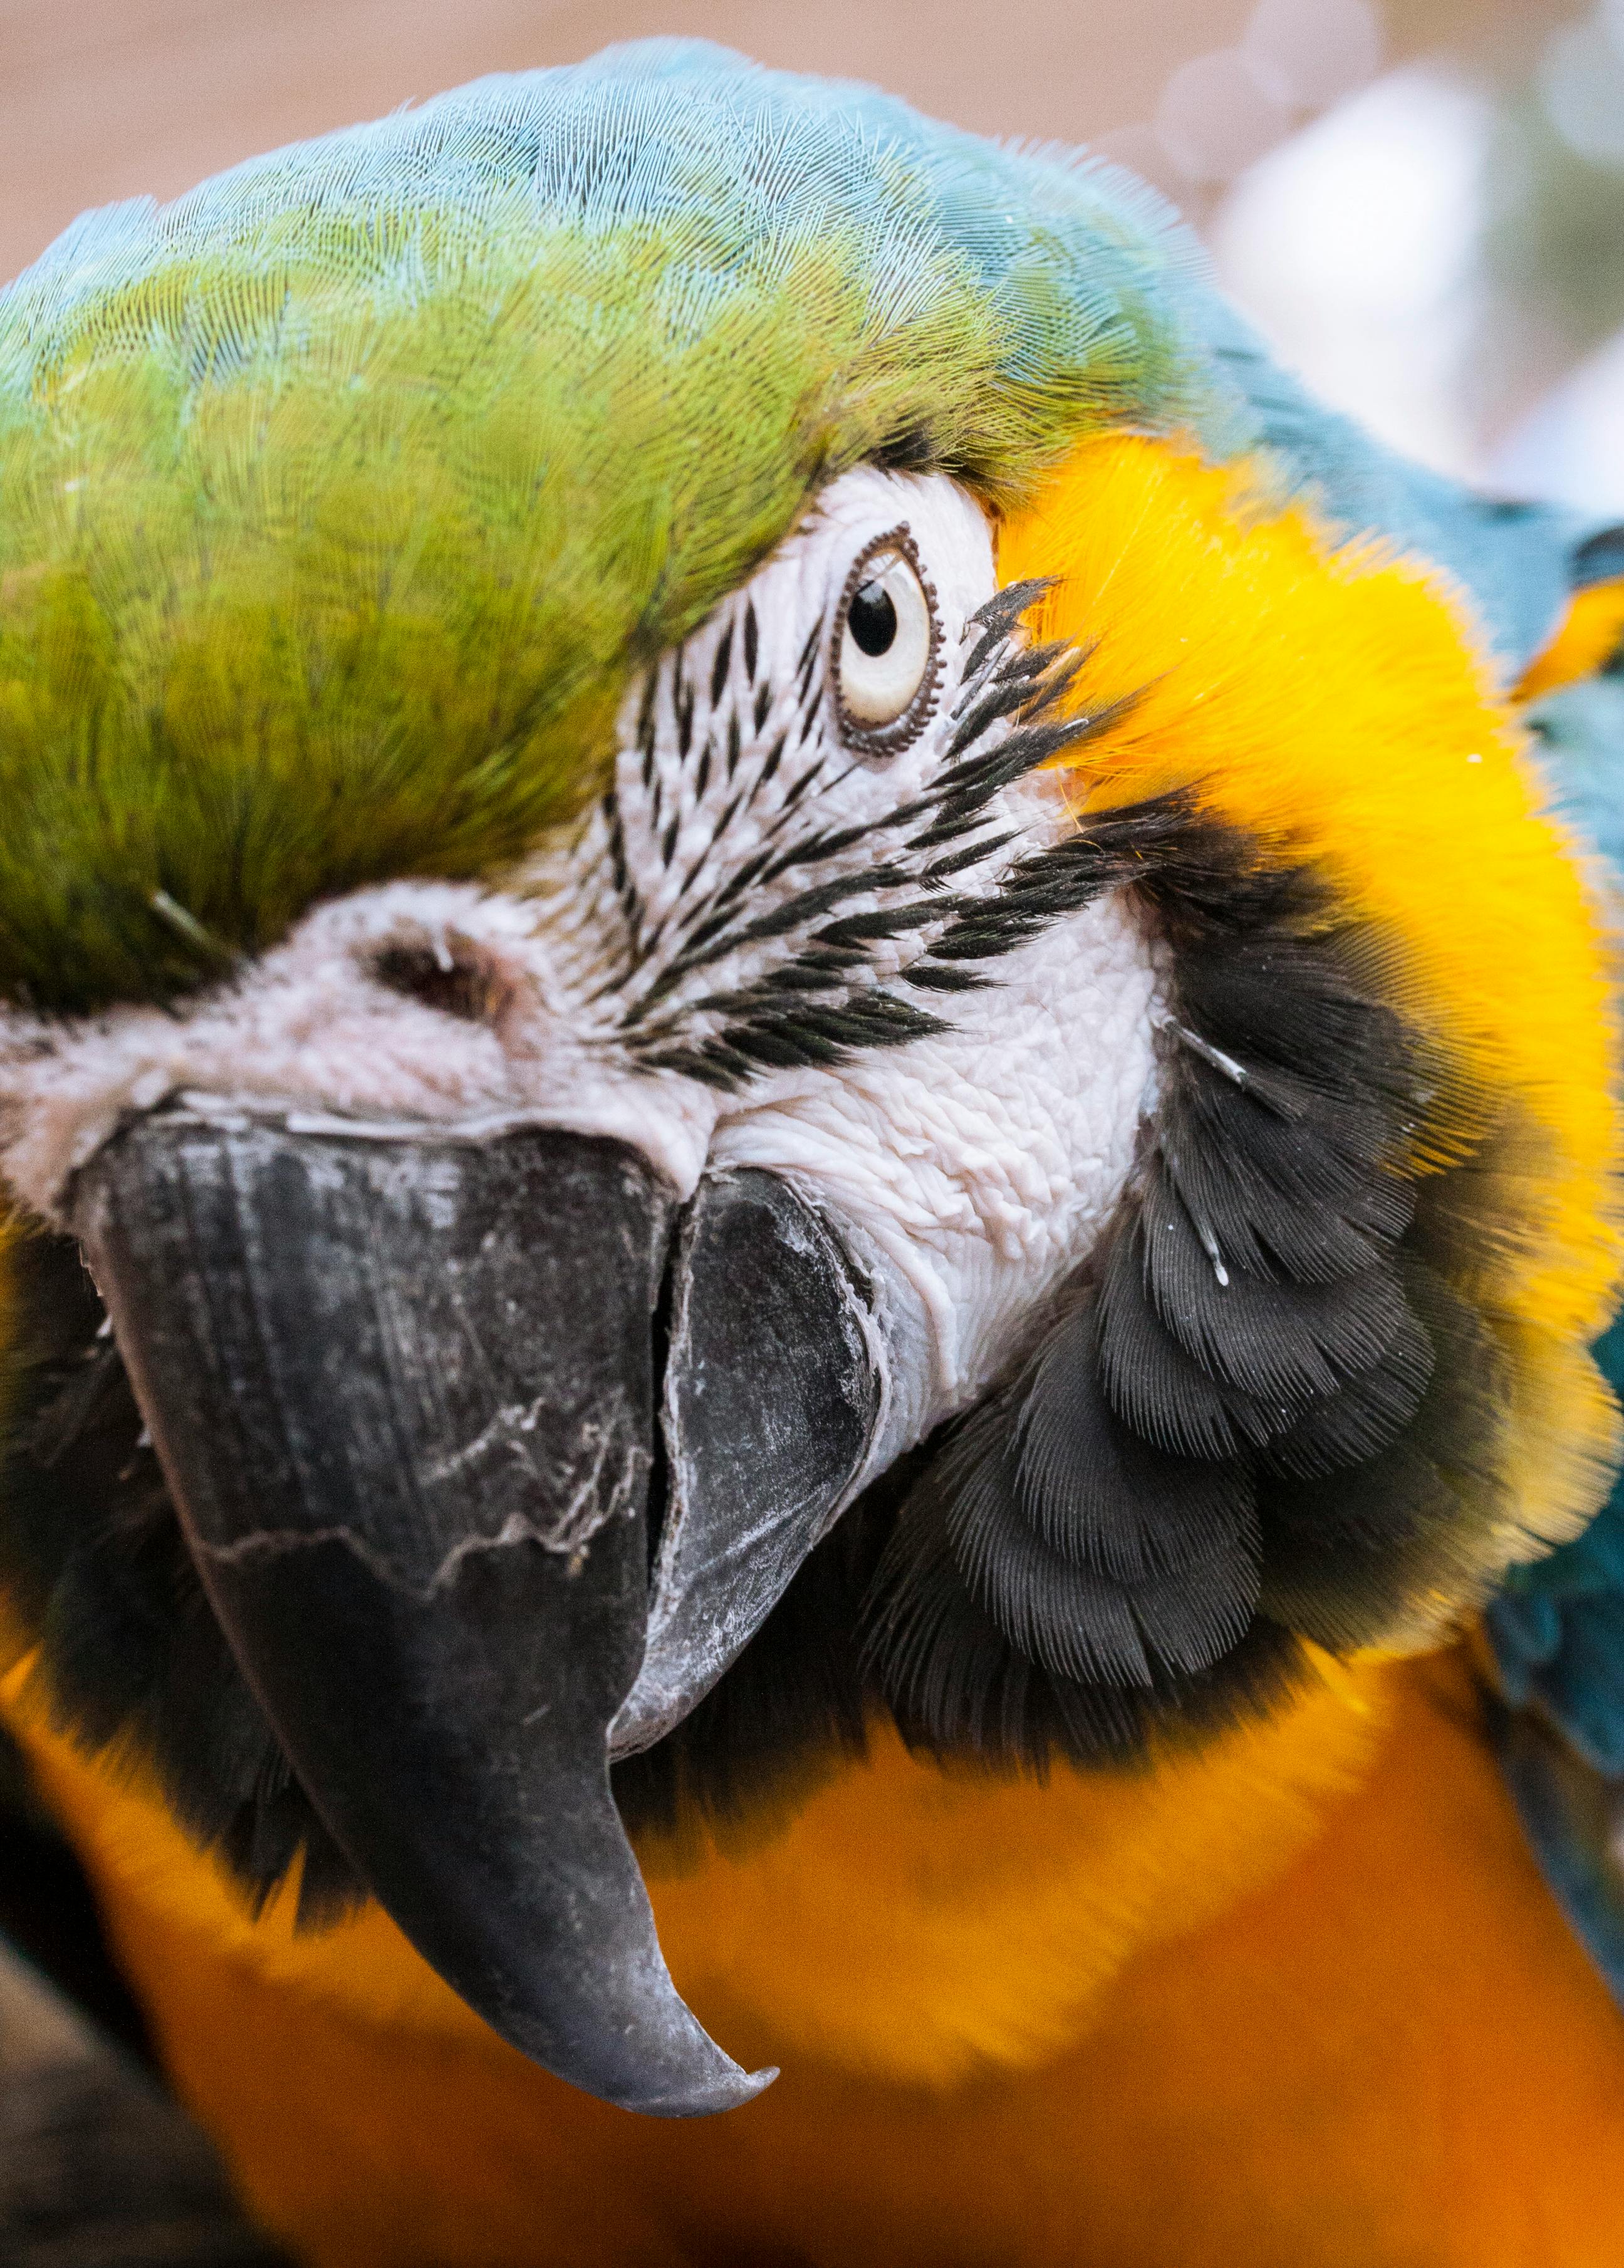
885 647
872 617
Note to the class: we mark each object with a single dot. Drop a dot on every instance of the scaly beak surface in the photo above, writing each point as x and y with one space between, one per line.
403 1392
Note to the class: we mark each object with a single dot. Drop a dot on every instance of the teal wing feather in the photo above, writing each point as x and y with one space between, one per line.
1557 1629
1517 563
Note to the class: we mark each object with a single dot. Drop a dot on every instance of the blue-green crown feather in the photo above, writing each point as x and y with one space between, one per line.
1557 1632
338 499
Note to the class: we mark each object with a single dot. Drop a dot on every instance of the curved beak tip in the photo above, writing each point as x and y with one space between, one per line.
373 1381
729 2094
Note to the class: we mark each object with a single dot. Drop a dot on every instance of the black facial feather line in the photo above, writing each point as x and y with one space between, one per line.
825 1001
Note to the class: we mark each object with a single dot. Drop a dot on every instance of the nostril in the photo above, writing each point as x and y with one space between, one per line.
450 973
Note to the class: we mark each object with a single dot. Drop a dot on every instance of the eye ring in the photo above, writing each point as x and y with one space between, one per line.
894 655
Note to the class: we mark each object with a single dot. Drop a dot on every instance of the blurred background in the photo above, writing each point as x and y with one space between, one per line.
1420 201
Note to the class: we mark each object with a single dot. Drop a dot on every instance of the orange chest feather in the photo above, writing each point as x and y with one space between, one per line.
1377 2043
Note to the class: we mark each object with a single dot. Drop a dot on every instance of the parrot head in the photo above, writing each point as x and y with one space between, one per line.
768 955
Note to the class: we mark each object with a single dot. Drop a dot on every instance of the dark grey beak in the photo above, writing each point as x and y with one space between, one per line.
403 1393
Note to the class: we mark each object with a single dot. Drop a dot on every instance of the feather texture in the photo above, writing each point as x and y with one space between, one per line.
340 501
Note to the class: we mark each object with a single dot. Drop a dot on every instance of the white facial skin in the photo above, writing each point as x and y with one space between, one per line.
969 1168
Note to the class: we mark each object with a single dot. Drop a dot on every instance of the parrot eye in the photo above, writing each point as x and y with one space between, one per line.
886 644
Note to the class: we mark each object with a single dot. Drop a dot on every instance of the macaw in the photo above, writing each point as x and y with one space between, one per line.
807 1068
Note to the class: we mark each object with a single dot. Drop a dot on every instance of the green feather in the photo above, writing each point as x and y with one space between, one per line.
338 502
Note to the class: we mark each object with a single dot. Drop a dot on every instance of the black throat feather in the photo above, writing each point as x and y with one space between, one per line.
1263 1413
